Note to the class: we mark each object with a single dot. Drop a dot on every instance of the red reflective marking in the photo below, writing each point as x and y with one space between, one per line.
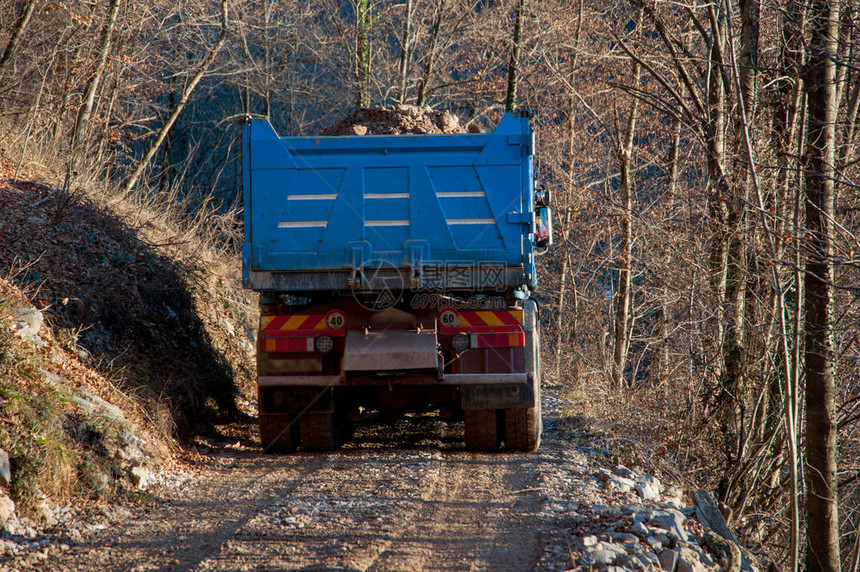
507 318
305 333
310 322
276 323
473 318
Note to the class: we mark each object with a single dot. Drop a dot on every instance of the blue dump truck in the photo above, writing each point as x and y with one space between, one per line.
395 275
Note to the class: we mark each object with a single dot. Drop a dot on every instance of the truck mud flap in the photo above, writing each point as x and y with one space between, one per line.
497 396
386 351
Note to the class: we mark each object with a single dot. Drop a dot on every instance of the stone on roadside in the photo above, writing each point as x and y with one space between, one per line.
640 529
621 484
649 488
28 322
623 471
5 469
689 561
140 477
7 509
638 562
646 492
598 557
668 560
655 543
91 403
671 521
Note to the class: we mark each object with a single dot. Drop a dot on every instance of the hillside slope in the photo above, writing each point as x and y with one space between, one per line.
122 330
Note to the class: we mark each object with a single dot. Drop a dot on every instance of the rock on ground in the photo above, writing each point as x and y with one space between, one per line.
5 469
397 120
7 509
27 323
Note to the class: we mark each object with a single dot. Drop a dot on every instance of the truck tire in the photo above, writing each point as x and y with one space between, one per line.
317 431
523 428
524 425
276 433
482 429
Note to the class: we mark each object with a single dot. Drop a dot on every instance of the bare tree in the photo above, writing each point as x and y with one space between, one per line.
86 108
406 50
624 299
822 498
514 62
20 27
362 55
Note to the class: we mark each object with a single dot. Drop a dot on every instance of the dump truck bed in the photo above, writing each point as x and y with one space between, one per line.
448 212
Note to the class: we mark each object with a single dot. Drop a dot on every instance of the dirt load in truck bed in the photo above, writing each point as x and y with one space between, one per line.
398 120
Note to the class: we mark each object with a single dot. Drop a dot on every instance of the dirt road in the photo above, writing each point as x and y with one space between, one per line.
402 497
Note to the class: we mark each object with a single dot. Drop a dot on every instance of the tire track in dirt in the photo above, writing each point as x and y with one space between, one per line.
406 498
178 534
430 507
342 516
474 518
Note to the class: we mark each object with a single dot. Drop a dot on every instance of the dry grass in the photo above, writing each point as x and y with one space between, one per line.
650 426
143 308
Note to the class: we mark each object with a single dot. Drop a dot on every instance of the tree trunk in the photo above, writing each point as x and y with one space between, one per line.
363 23
20 26
822 497
514 63
718 190
86 109
624 152
786 129
405 52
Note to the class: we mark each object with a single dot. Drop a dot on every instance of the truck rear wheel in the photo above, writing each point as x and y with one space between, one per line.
317 431
482 429
524 425
276 434
523 428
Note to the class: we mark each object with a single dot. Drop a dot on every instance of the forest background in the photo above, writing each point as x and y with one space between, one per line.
702 292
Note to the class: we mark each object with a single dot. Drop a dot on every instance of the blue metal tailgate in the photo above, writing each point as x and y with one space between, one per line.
329 204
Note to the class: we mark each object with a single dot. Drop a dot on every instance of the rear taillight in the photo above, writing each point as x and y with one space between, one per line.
324 344
460 341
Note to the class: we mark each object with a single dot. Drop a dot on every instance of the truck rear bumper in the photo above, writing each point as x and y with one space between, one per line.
484 378
304 380
448 379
